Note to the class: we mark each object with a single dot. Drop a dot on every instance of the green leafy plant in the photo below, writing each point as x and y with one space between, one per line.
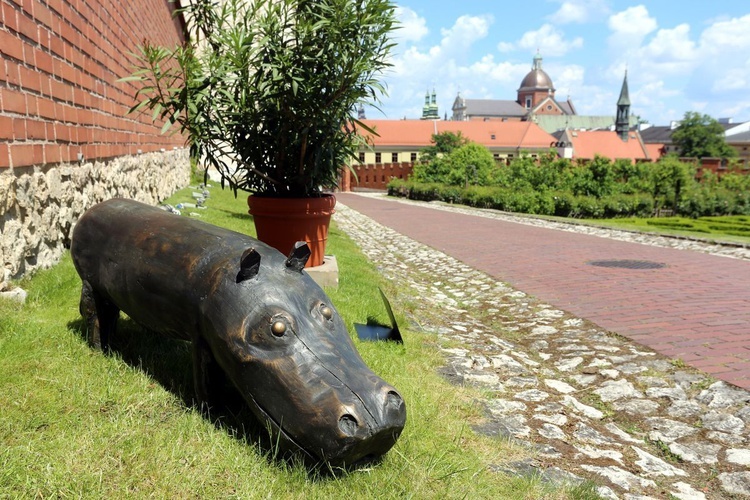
698 136
266 91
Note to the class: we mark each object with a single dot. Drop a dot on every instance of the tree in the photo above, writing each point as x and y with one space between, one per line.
471 163
432 166
700 136
442 144
670 178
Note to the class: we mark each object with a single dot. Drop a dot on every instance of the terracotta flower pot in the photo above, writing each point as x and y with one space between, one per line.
281 222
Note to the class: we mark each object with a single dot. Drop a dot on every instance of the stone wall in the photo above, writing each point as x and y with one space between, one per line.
39 206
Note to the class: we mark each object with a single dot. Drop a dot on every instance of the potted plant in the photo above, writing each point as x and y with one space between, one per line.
266 93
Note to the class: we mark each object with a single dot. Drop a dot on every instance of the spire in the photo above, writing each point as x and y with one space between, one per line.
361 112
430 108
622 121
624 99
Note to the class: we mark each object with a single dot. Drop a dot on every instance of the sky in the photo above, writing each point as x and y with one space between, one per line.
692 55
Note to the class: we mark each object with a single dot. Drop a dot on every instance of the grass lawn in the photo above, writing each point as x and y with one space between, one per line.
77 423
729 228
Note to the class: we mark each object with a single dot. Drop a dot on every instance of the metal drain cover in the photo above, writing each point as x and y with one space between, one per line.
627 264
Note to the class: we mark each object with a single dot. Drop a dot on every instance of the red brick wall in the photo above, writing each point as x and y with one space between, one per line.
377 176
60 62
719 166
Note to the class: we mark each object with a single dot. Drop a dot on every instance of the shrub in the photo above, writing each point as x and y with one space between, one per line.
565 204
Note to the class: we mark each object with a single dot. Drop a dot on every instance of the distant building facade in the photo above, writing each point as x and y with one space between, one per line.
535 97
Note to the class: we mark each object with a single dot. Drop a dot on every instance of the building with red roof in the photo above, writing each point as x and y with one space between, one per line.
620 143
402 140
586 144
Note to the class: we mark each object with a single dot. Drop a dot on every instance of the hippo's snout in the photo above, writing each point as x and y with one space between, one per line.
370 429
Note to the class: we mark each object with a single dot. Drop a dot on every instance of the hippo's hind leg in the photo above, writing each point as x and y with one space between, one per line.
99 315
208 377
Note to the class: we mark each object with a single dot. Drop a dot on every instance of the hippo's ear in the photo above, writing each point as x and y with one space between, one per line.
298 256
249 265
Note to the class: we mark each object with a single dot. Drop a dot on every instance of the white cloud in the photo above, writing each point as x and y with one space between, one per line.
630 26
549 40
723 69
466 30
568 81
669 68
579 11
445 66
672 68
734 79
670 52
733 34
672 45
655 97
412 27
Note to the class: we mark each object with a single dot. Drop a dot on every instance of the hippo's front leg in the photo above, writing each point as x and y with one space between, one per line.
99 315
208 377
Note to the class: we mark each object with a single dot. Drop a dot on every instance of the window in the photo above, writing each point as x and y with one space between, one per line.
394 157
361 156
528 102
413 157
377 157
549 107
492 136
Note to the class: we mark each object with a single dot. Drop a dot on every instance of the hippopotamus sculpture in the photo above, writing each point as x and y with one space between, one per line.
251 314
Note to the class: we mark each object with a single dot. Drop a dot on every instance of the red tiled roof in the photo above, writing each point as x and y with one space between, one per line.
655 151
589 143
498 134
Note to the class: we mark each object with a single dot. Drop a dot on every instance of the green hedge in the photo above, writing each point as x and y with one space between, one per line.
529 201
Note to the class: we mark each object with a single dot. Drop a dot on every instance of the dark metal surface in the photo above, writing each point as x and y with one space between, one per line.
252 316
627 264
381 332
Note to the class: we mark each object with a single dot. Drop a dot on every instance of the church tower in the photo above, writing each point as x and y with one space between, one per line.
430 108
622 121
536 85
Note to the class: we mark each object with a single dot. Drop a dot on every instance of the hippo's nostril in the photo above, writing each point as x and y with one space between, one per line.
348 425
393 400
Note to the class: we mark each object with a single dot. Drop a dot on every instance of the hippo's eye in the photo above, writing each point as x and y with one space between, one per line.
326 311
278 328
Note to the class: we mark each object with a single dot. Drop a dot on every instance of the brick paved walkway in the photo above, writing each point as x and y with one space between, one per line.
696 308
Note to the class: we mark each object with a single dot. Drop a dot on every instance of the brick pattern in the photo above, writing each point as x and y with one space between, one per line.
718 166
59 69
378 175
696 308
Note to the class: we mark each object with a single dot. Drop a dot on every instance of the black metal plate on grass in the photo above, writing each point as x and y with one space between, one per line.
627 264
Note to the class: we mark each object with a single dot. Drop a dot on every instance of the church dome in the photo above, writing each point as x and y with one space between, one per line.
537 78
